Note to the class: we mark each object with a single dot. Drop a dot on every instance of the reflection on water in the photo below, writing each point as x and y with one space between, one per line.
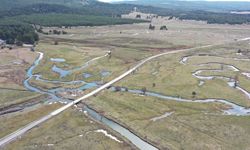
63 73
234 110
87 75
57 59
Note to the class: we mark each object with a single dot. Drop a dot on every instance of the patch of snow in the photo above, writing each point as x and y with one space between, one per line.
242 59
162 116
135 34
27 45
231 83
184 60
154 73
244 91
244 39
63 102
17 62
50 144
108 135
85 112
246 74
201 83
233 68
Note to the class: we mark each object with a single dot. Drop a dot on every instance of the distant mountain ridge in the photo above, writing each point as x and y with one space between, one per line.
215 6
96 8
9 4
17 16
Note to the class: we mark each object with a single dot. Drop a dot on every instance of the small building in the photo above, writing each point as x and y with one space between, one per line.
2 42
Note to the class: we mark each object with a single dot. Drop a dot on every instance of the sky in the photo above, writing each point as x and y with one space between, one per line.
108 1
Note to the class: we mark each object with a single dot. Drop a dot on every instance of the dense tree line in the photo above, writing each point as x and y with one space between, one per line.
18 34
69 20
210 17
95 8
10 4
17 23
37 8
220 18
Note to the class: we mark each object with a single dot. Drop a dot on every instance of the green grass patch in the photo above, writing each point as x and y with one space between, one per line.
191 126
70 130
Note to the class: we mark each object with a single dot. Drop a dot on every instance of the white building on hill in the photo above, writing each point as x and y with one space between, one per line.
2 42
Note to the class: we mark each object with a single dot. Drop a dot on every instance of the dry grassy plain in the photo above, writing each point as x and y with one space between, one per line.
70 130
13 66
191 126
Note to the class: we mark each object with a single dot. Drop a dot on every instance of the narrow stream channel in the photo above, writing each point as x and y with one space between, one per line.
231 82
233 110
137 141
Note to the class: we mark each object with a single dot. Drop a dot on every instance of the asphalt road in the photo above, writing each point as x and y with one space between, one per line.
7 139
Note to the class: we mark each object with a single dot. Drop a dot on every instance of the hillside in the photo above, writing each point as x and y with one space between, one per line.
18 14
9 4
217 6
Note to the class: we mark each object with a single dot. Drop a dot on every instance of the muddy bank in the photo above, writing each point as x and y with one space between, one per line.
22 105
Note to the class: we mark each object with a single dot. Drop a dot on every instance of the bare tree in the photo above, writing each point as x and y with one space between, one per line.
56 43
144 89
236 79
163 28
138 16
194 94
221 67
109 54
126 89
153 85
151 27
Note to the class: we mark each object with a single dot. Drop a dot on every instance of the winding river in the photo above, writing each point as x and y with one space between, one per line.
137 141
233 110
231 82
